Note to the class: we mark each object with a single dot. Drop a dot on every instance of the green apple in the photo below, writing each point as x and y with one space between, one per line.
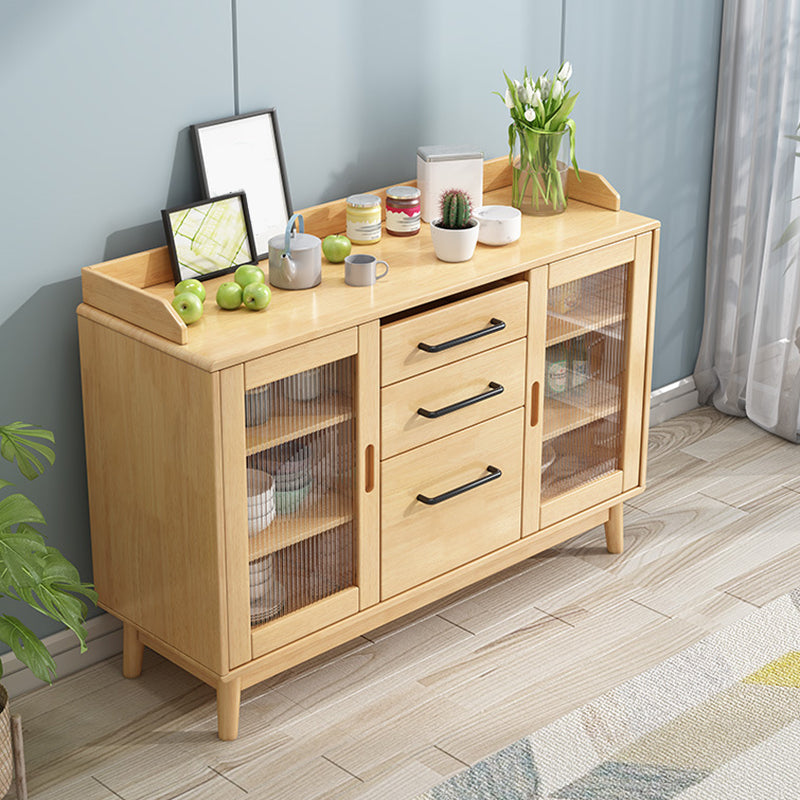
189 306
256 296
229 295
191 285
336 247
247 274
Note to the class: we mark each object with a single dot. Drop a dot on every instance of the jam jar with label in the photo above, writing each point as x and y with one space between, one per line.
402 210
364 218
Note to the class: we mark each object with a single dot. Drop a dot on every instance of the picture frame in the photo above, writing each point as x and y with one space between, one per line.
244 153
209 238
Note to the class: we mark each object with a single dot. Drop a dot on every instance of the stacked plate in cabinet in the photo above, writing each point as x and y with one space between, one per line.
267 596
260 500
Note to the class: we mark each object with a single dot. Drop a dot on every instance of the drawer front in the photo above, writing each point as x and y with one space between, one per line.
448 399
453 332
420 541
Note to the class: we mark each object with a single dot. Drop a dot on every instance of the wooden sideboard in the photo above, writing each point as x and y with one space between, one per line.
266 486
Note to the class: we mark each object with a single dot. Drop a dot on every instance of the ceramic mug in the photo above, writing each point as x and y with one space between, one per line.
360 270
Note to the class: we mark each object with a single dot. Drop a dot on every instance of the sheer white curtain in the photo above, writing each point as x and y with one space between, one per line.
749 362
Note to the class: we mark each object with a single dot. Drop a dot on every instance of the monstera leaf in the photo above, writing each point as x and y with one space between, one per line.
19 442
27 648
31 571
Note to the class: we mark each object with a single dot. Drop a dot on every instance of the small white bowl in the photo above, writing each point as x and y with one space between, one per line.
256 406
256 524
498 224
260 487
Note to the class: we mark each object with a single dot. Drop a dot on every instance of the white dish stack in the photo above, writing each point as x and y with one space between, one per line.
260 500
267 596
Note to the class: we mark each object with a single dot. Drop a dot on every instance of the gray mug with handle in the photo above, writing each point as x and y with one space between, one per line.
361 270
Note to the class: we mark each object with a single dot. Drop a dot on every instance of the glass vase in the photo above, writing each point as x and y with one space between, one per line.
539 171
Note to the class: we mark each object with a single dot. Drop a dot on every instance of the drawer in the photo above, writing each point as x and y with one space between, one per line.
419 540
443 335
448 399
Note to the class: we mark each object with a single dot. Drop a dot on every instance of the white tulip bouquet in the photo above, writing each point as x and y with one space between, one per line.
539 118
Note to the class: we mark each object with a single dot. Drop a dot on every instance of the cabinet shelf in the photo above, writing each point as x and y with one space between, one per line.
599 400
298 418
570 472
316 516
562 328
602 305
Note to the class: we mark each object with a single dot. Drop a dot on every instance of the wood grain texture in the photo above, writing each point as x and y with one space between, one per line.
419 541
403 427
155 496
506 667
221 338
614 530
401 356
576 267
368 486
290 627
234 522
294 360
536 357
648 369
230 353
636 356
150 311
132 651
585 496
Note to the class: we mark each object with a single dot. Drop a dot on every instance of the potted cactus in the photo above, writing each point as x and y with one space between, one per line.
455 234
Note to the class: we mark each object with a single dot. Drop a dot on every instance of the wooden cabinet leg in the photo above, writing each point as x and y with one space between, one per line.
614 529
132 652
229 695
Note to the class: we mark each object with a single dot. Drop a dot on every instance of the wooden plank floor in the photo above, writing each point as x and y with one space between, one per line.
391 714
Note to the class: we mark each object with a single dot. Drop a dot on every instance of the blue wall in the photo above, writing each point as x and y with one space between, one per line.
97 98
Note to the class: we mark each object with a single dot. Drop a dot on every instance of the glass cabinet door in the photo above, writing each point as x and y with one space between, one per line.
584 380
300 434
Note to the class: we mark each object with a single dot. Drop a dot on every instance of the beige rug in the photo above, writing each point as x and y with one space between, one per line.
719 721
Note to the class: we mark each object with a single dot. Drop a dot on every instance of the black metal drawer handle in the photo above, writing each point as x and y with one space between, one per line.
494 474
493 391
495 325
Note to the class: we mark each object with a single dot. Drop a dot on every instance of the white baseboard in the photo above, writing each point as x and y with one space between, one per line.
104 632
104 640
673 399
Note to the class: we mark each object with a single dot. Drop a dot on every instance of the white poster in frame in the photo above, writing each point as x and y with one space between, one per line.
243 153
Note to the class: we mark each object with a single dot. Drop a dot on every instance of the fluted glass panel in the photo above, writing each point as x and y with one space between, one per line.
300 433
584 373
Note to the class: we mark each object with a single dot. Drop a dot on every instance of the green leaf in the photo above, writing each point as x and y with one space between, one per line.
571 126
792 230
15 509
21 561
27 648
18 443
3 484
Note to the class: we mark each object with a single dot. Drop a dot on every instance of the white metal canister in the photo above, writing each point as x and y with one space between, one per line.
442 167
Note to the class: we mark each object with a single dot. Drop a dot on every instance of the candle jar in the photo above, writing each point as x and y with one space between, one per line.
364 218
402 210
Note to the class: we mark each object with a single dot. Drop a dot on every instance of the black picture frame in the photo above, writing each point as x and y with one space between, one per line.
208 255
244 153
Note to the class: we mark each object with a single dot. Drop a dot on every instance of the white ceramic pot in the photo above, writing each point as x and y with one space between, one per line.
454 244
498 224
